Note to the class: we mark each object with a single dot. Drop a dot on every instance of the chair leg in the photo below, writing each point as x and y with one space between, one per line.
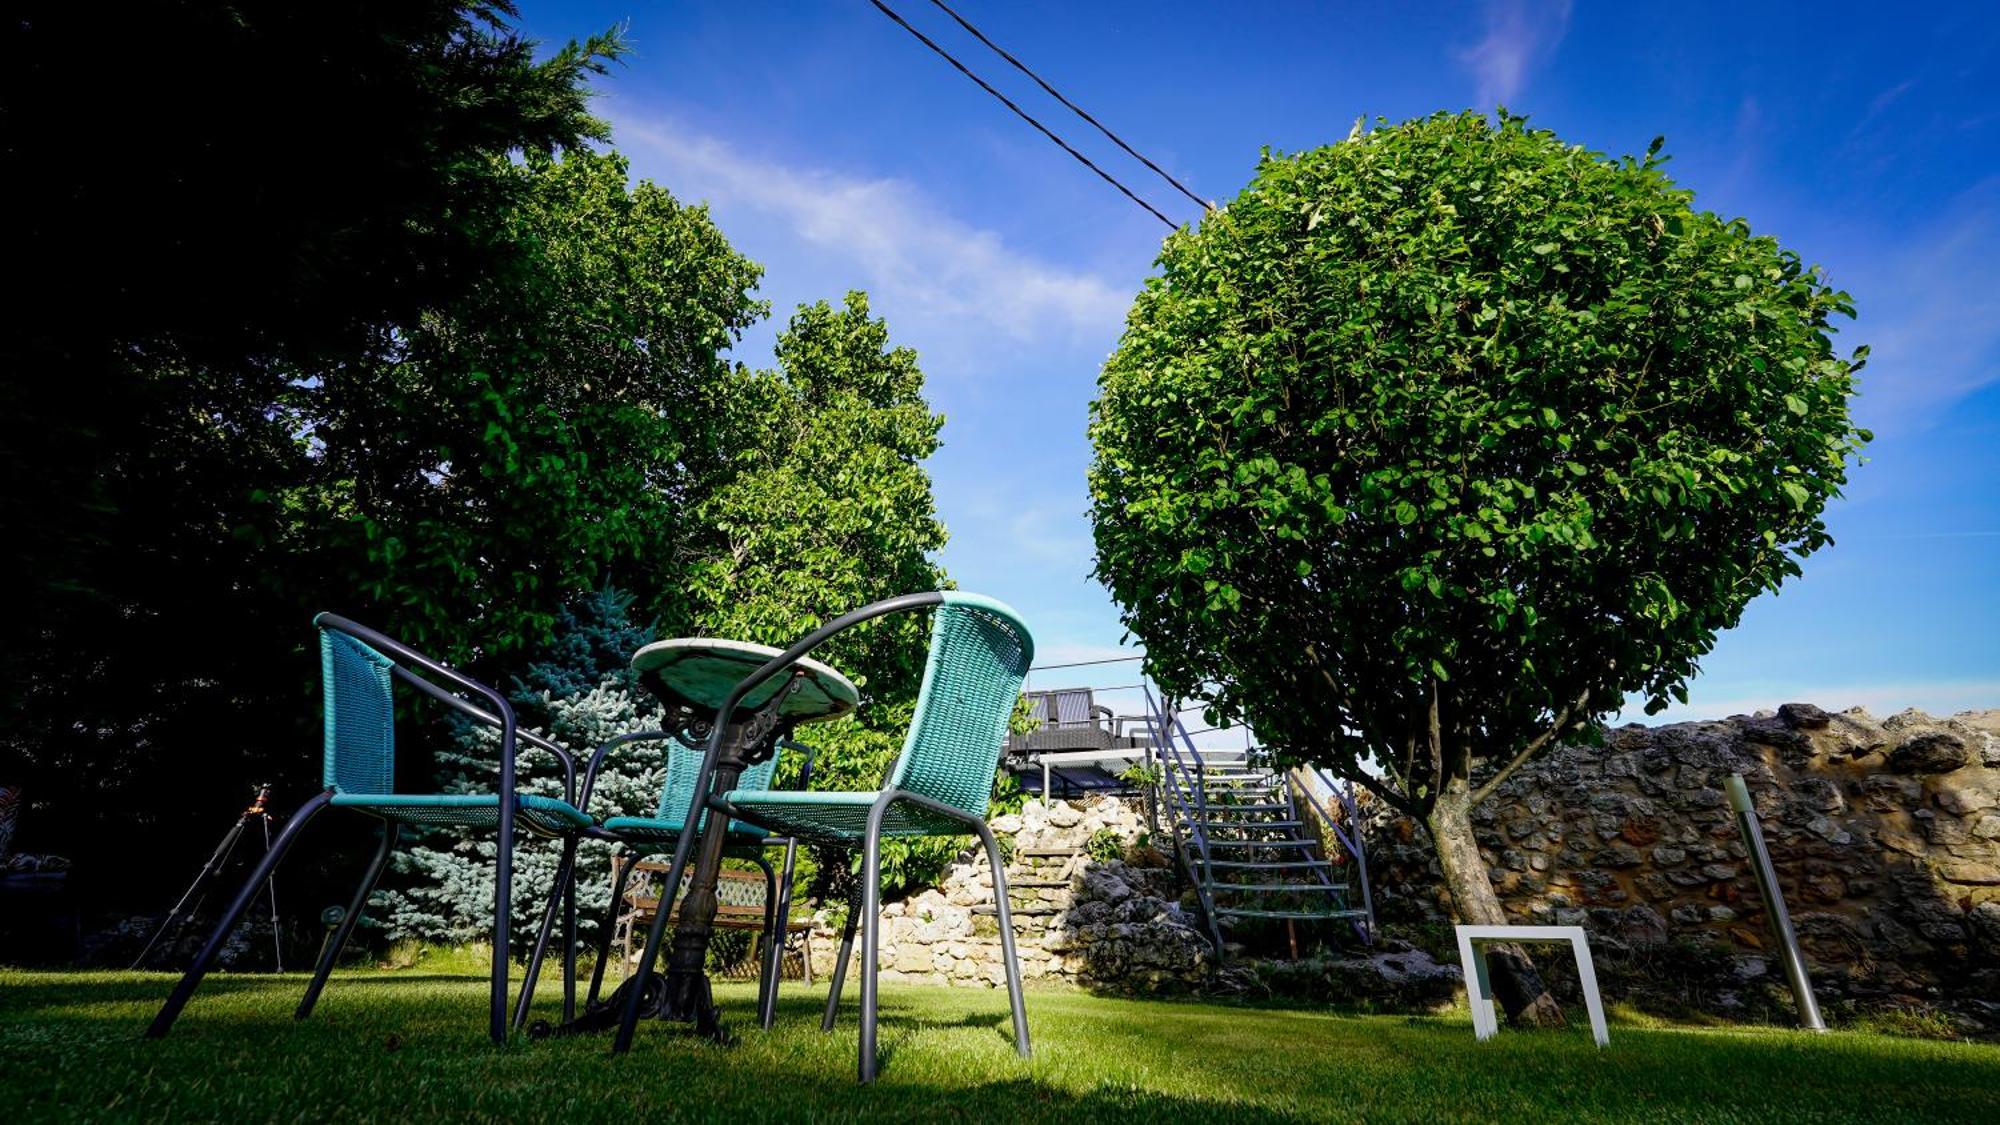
569 945
840 963
670 888
621 865
871 936
766 985
779 932
1003 912
503 916
527 997
191 980
348 921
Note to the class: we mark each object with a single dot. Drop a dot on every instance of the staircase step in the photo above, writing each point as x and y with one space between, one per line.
1298 888
1022 911
1241 825
1268 865
1048 851
1260 844
1036 884
1271 806
1232 912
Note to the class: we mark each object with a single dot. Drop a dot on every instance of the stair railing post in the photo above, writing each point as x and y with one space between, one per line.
1162 720
1356 847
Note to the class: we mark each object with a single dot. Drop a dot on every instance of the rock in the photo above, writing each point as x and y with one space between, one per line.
1964 800
1970 874
1932 750
1748 968
1803 716
1064 815
1620 855
1642 925
1985 919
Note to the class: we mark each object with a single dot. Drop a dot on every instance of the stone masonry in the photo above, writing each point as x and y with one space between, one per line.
1885 835
1100 922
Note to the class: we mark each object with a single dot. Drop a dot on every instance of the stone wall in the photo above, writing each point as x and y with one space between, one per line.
1885 835
1102 922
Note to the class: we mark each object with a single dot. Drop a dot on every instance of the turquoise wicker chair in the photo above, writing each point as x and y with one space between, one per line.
641 835
939 785
359 668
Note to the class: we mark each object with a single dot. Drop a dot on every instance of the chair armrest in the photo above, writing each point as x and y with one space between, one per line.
806 771
597 760
801 648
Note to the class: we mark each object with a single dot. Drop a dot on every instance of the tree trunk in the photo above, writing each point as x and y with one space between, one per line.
1516 984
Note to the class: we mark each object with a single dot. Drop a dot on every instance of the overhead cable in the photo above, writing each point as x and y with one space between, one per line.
1073 107
1022 114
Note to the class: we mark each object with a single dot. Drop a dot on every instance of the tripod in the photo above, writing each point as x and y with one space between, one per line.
178 918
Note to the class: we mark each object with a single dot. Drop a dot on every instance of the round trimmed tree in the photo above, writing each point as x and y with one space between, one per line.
1434 445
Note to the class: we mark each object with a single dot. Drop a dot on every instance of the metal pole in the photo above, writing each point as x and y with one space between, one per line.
1774 903
277 938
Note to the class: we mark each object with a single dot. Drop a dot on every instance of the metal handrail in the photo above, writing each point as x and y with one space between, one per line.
1161 723
1351 840
1292 811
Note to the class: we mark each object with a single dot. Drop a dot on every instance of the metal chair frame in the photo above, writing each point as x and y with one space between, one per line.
777 889
426 675
871 852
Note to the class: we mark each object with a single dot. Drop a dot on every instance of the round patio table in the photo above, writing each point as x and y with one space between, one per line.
694 676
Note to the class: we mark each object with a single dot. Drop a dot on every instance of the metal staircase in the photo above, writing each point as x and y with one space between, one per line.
1242 840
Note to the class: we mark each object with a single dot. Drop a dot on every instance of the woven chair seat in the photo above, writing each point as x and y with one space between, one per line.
667 830
840 818
546 816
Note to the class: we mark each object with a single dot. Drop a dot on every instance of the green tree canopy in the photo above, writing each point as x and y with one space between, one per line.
453 482
277 181
553 430
1434 444
828 506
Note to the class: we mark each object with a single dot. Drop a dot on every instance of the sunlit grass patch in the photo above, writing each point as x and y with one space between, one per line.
410 1045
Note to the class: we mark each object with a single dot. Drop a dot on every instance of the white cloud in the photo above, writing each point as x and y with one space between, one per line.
1933 319
1053 537
903 245
1519 34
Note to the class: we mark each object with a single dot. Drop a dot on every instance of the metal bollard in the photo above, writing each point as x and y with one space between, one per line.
1774 904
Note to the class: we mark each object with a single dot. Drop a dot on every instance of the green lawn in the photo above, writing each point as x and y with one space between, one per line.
411 1045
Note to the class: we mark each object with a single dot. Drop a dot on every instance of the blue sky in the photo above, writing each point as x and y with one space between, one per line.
839 153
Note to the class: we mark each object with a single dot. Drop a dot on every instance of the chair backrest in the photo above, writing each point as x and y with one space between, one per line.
980 652
1071 707
360 715
684 767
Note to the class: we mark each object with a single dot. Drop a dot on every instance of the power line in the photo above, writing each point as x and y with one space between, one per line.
1086 663
1073 107
1022 114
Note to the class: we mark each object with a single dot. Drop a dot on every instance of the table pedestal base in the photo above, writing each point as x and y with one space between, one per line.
671 996
689 1000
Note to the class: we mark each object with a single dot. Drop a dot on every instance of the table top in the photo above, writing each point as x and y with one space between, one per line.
702 670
